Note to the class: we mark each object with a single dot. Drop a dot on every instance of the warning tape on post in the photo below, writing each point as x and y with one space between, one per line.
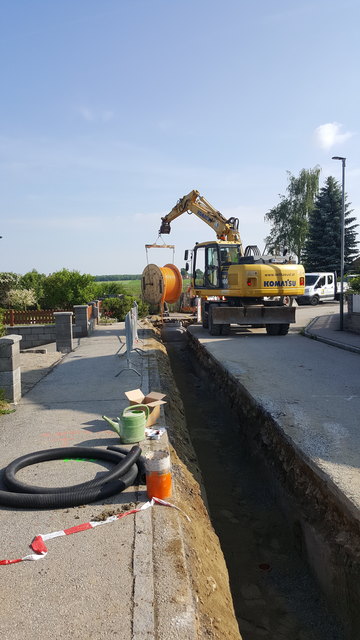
40 549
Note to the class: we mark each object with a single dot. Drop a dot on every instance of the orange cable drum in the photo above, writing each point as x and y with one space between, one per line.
172 281
161 284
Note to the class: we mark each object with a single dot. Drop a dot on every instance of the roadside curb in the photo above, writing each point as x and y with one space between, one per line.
309 332
168 583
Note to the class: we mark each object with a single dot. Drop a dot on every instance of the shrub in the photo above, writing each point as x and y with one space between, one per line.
117 307
354 285
5 406
143 308
65 288
20 299
2 326
8 280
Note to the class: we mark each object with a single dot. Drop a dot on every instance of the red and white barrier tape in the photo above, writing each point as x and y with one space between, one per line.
38 544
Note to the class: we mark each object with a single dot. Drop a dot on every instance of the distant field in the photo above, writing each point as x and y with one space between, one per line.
133 287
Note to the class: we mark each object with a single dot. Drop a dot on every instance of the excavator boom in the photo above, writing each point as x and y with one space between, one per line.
193 202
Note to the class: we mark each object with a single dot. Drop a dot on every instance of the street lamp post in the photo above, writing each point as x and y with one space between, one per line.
342 259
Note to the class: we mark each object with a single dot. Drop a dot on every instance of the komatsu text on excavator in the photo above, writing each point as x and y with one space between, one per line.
237 286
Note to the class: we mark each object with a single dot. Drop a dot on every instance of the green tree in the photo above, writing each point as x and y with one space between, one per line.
20 299
65 288
289 219
111 289
8 280
323 245
33 280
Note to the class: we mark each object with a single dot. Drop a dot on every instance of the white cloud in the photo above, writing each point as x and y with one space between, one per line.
86 113
92 115
328 135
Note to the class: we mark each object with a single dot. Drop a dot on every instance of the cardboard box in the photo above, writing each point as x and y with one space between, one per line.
153 400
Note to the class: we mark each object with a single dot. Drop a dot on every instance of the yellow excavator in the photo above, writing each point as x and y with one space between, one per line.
237 286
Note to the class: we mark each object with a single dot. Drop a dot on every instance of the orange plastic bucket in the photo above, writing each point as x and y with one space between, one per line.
158 475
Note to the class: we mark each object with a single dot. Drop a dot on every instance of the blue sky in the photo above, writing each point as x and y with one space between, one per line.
111 111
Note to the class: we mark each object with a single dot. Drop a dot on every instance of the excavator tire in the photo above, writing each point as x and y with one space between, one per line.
225 329
204 317
277 329
214 329
283 329
272 329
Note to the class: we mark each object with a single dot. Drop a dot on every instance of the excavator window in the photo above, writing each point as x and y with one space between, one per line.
229 255
199 267
206 267
212 267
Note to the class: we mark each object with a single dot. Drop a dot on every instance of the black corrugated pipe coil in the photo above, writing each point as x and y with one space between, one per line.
27 496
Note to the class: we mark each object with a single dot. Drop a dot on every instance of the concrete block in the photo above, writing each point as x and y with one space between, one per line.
5 351
10 363
5 364
10 339
7 378
64 331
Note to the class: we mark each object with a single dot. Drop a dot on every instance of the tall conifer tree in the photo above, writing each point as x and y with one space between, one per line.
323 244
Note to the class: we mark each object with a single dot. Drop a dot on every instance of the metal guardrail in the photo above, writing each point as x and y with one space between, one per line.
131 339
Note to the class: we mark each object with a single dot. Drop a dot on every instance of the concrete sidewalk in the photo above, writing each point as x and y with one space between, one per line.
121 580
326 329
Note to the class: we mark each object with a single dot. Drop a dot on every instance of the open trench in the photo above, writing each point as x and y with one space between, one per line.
274 594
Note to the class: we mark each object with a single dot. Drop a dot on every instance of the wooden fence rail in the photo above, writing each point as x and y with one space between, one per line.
13 317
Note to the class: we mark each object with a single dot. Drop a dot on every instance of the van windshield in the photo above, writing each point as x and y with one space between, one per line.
310 280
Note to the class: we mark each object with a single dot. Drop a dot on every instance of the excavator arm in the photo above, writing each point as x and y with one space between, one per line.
193 202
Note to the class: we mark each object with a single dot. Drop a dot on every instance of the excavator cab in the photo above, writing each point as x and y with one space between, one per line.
211 262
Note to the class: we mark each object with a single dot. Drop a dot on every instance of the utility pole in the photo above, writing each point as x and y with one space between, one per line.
342 258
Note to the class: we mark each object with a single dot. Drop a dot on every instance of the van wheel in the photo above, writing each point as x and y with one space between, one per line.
314 300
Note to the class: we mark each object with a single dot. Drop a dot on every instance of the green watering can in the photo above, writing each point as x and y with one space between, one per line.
131 426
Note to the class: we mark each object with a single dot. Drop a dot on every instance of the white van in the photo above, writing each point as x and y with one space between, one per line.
320 286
